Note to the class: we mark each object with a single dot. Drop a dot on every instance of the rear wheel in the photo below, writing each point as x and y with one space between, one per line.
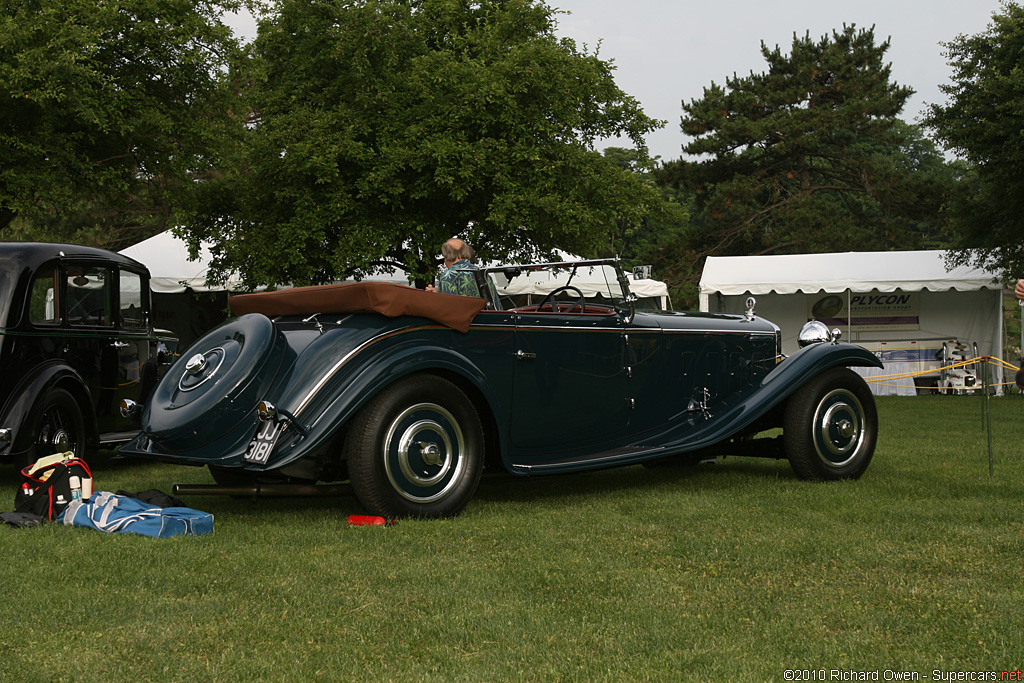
416 450
831 426
56 426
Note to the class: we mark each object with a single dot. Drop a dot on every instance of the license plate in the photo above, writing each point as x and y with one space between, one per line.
263 443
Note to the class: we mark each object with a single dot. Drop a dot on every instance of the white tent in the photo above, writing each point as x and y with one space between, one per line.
170 269
901 304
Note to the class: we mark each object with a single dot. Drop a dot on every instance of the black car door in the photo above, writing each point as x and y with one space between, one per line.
570 379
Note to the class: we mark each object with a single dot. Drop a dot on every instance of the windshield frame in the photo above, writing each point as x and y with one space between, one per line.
625 303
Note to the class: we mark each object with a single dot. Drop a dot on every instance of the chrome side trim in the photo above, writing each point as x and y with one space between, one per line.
612 456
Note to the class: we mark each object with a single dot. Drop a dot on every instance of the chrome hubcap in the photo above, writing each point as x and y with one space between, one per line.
423 453
430 453
195 364
61 441
839 428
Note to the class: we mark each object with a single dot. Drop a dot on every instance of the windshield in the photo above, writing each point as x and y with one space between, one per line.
525 285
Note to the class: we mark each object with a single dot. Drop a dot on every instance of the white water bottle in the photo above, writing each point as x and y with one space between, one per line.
76 487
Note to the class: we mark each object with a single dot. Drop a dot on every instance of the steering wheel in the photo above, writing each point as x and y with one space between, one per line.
550 299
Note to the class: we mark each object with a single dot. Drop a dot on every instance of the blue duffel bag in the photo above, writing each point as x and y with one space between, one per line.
111 513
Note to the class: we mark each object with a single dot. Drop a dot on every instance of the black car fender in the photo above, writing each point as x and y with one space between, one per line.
35 384
799 368
775 389
374 372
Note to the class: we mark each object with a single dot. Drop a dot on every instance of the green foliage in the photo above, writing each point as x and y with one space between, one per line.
661 238
384 127
981 122
726 572
810 155
105 109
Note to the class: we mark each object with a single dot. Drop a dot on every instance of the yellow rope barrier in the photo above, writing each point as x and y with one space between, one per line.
998 362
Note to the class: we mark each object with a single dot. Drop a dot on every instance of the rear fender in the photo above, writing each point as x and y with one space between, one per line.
38 383
367 379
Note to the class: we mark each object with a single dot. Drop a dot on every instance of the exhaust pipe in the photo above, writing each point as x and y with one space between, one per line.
264 490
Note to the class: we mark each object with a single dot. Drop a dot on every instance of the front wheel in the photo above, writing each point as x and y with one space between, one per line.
831 426
416 450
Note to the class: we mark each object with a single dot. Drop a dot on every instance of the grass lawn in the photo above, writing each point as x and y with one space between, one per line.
719 572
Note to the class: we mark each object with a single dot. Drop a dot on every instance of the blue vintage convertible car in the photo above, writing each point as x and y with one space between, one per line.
408 394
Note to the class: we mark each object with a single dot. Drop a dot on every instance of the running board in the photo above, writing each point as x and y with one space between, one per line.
626 455
117 437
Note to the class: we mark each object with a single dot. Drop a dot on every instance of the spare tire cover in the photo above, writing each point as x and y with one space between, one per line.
215 384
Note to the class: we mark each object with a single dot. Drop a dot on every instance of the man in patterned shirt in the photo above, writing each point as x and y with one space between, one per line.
457 277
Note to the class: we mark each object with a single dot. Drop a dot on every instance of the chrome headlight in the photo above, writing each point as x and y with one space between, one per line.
814 332
129 407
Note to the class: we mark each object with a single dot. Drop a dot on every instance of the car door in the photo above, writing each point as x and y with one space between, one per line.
569 380
107 341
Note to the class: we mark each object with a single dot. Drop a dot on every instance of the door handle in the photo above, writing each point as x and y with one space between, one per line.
120 345
523 355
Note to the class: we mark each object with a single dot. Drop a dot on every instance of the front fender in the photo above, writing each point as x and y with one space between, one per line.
814 359
366 379
785 379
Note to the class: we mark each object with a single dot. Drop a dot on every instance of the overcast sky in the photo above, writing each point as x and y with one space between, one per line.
666 51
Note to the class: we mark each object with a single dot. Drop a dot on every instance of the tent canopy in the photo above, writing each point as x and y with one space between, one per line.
885 271
170 269
921 305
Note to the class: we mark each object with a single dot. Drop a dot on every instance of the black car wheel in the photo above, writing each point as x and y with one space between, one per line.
416 450
831 427
57 426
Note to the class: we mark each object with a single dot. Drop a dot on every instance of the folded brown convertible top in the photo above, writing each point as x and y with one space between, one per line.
386 298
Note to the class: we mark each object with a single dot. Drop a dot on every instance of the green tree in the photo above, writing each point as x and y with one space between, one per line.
106 109
384 127
981 123
660 238
806 156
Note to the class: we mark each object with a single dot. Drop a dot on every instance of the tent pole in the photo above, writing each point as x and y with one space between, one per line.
849 315
988 418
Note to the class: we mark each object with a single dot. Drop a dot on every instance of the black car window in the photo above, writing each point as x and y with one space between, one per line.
133 311
88 295
44 302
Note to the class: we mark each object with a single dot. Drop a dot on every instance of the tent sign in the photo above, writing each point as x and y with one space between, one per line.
867 311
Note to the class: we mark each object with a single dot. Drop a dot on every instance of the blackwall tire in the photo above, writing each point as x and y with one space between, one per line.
416 450
831 427
56 426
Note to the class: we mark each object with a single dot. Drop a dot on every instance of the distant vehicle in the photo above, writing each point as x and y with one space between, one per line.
954 376
75 338
407 394
930 362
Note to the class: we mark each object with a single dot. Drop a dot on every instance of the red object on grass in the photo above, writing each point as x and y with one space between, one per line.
366 520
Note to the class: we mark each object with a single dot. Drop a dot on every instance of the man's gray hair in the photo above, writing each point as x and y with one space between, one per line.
456 249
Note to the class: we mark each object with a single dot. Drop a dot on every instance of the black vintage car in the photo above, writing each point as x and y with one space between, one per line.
408 394
76 337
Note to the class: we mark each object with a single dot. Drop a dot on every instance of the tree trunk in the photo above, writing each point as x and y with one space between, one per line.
6 217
